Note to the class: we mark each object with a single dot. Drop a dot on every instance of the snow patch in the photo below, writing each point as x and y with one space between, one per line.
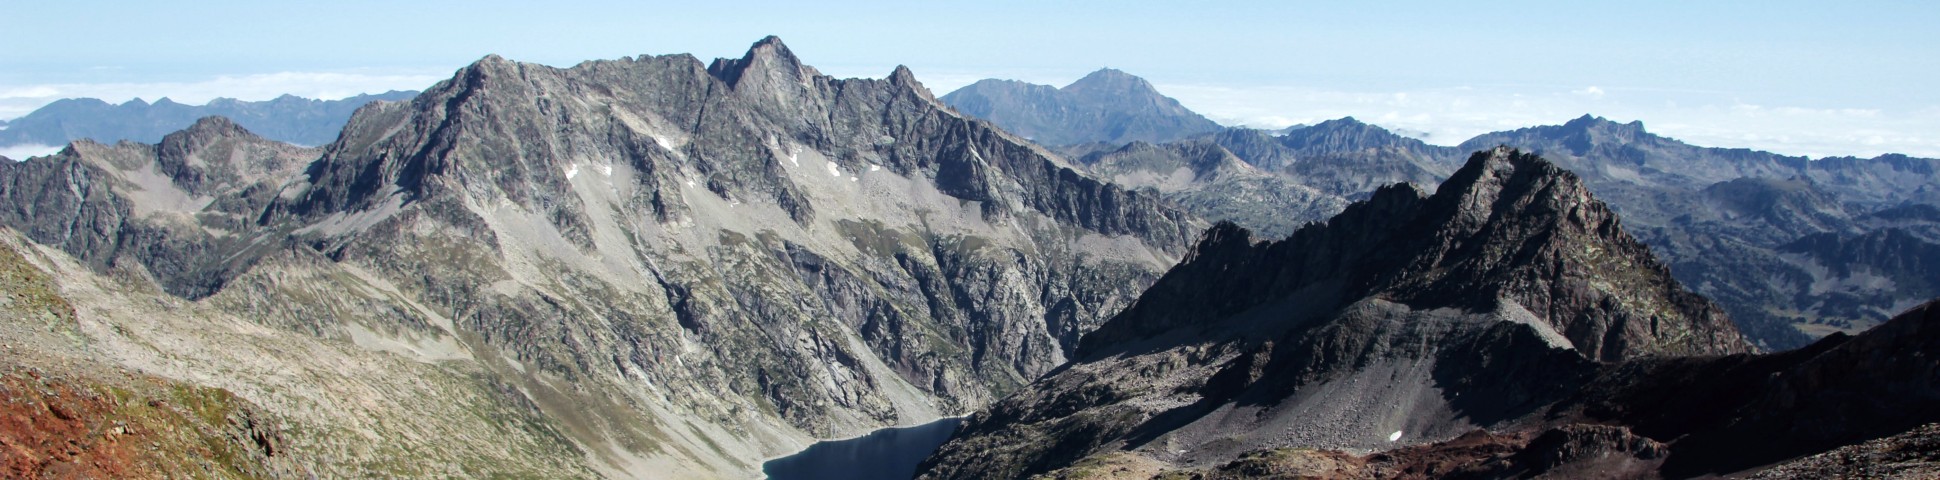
795 158
835 171
690 183
606 170
874 167
572 170
663 143
1394 436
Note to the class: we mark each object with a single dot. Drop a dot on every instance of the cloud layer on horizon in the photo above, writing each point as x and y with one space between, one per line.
27 150
1449 116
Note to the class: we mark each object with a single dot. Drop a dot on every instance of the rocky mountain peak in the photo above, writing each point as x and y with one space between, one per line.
1113 81
487 66
1510 225
478 75
1343 125
1588 121
180 155
903 78
1587 131
1347 120
1346 134
209 127
1478 185
767 58
1106 106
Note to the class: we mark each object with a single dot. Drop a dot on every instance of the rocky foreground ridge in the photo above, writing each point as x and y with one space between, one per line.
1504 325
1744 415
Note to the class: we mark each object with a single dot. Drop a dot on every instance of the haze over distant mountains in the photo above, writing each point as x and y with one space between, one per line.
287 118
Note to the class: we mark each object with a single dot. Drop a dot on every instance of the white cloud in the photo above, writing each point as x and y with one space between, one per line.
1448 116
23 151
30 92
17 100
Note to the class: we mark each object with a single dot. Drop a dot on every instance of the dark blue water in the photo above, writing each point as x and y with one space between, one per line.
886 454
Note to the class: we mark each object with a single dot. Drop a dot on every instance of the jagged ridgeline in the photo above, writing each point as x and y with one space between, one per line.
1408 318
657 260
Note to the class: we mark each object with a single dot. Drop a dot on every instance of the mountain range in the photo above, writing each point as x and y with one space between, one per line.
642 264
1504 326
1766 235
287 118
1106 106
660 266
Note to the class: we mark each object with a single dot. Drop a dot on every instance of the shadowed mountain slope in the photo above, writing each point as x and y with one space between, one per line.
1409 317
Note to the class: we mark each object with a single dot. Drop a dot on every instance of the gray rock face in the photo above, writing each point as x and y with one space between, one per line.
1407 316
665 262
287 118
1107 106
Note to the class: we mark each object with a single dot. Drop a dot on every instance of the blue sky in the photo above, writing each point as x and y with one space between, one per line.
1813 78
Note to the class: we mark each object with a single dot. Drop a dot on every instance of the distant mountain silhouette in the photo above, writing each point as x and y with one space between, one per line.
289 119
1107 106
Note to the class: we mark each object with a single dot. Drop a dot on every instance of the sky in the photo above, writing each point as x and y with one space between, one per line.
1801 78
